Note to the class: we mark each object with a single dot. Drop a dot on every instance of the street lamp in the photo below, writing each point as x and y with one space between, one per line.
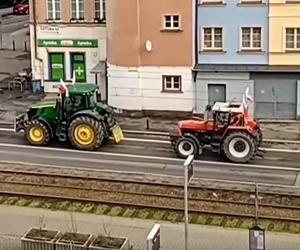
188 174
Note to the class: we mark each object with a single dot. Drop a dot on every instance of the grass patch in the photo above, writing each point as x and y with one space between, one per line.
159 215
115 211
201 220
10 201
35 204
22 202
143 214
294 228
174 217
129 213
216 221
2 199
88 208
231 222
102 209
246 224
64 205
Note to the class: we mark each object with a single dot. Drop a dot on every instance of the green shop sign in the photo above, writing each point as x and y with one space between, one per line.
68 43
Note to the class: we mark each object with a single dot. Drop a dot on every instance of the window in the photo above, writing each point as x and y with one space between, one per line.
78 66
251 38
56 66
172 83
100 9
171 22
251 1
212 39
292 38
212 2
78 9
54 9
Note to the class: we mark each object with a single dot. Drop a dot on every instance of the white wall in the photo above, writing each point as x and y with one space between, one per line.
236 84
92 55
141 89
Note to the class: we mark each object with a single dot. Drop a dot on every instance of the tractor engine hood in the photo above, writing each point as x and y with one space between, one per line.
191 124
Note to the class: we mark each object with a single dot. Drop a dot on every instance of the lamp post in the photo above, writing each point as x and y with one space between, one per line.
188 174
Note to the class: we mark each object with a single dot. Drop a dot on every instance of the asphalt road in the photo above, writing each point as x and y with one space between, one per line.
159 158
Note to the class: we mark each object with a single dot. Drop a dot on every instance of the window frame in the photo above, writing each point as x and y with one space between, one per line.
77 11
54 11
251 48
295 48
102 11
172 28
212 48
172 89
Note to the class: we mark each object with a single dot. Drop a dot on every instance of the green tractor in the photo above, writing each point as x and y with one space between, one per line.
77 116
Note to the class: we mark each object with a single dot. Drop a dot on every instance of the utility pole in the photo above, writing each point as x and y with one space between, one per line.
188 174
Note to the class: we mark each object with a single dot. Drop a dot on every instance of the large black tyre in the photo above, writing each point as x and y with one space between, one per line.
185 147
37 133
239 147
86 133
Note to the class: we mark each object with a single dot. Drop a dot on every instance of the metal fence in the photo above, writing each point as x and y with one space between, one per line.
10 242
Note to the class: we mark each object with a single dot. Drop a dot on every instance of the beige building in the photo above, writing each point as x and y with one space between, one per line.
68 36
150 48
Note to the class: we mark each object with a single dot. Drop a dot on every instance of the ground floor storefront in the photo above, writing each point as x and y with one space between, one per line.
83 55
276 92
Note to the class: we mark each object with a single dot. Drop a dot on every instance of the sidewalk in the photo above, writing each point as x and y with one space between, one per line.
279 130
15 221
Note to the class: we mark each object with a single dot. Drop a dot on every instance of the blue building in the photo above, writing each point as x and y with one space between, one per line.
232 43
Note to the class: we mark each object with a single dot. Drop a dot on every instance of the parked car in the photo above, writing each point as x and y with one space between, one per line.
6 4
21 7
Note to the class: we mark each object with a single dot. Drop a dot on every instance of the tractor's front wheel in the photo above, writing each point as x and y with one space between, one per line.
239 147
185 147
86 133
37 133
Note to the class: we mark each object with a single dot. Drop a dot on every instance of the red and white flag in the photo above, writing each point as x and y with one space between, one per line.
73 78
63 89
248 96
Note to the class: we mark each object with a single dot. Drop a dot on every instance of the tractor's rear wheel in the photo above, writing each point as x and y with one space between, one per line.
37 133
86 133
185 147
239 147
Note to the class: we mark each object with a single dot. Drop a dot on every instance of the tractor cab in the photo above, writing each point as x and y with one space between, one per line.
227 114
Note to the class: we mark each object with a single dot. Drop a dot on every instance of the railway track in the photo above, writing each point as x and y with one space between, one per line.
139 194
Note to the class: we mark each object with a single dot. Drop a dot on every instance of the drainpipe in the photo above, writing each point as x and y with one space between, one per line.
35 40
194 74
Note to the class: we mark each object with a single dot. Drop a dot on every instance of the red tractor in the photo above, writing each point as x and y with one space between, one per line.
226 129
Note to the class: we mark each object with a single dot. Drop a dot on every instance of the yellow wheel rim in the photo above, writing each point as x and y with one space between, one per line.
84 134
36 134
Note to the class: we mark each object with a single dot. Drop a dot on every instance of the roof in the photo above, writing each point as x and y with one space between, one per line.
228 107
81 88
246 68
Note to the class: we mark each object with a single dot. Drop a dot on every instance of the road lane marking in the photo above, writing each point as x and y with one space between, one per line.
148 157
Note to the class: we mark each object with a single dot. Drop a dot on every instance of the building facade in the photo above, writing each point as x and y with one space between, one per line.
232 41
283 88
245 43
150 54
68 36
